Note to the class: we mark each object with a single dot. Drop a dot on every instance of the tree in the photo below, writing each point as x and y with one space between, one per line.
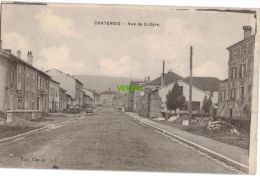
206 104
175 98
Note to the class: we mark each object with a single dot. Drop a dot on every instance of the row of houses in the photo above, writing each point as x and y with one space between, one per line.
24 88
231 98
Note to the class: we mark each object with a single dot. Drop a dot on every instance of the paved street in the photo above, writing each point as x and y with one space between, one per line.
106 140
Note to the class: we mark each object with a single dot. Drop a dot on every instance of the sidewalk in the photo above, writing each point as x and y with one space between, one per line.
233 155
40 124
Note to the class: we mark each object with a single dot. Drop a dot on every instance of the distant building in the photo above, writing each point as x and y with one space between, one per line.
88 97
62 99
22 86
72 86
164 79
149 102
107 96
96 97
69 101
54 97
235 93
133 96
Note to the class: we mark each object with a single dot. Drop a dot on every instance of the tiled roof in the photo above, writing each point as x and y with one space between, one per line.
68 75
204 83
170 77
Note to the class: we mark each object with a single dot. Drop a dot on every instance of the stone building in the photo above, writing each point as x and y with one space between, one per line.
235 93
22 86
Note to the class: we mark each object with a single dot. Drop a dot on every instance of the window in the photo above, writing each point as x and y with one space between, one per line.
33 105
233 94
34 75
244 70
243 52
39 82
234 72
195 106
240 71
27 88
19 84
20 103
19 69
33 88
12 77
27 74
242 93
26 104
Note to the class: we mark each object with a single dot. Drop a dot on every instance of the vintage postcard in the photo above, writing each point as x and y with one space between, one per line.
128 88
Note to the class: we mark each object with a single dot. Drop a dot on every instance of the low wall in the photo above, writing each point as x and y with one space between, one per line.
12 115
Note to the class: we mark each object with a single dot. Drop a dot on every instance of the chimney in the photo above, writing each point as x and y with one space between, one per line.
247 31
18 53
30 58
148 79
163 76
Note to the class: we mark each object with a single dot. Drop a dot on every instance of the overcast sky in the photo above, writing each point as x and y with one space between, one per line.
65 37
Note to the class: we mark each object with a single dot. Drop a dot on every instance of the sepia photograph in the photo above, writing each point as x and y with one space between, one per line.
128 88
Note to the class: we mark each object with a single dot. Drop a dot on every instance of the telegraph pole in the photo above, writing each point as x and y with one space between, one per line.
190 88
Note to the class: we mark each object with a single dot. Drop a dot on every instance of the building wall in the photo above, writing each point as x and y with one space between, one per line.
20 88
10 98
66 82
43 92
240 81
96 99
198 95
79 94
3 72
106 99
54 97
150 104
69 101
62 99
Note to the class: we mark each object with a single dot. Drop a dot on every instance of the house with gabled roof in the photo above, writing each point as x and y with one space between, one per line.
106 97
208 84
198 94
72 85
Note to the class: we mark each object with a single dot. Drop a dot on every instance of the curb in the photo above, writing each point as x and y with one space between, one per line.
9 139
211 153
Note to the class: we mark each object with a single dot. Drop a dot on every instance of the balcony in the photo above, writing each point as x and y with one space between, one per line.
43 92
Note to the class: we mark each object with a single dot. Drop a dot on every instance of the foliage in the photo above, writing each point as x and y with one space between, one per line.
174 98
206 104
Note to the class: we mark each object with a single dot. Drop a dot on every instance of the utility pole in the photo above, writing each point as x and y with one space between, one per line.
190 88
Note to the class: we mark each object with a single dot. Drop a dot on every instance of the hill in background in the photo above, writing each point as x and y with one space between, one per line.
102 83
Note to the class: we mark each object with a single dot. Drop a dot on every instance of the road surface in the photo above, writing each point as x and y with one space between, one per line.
106 140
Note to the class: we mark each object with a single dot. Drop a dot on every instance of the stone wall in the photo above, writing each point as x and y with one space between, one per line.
13 115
